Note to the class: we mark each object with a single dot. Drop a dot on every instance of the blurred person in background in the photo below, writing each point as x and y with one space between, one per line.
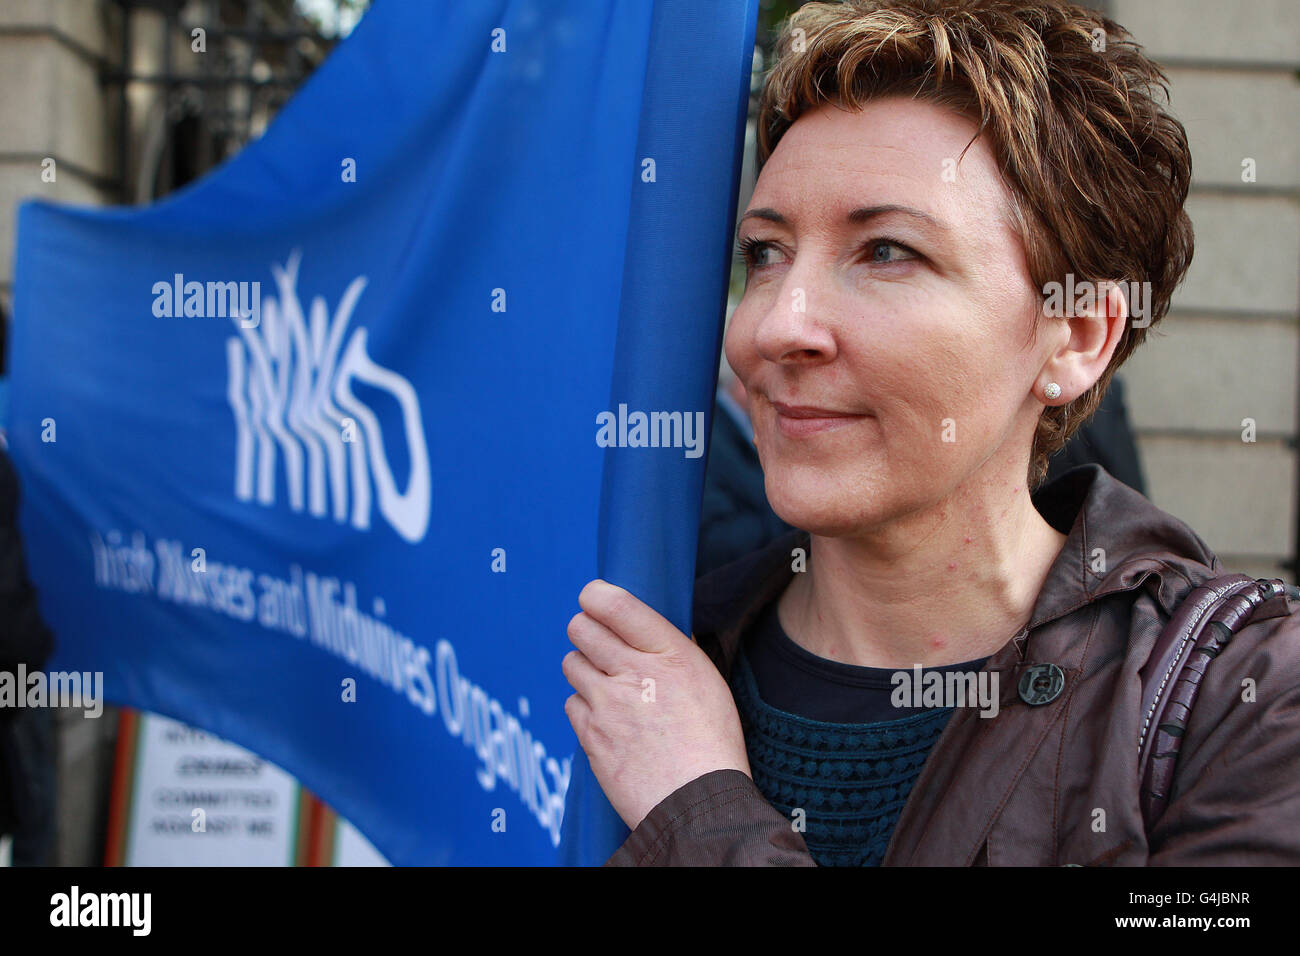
26 733
735 517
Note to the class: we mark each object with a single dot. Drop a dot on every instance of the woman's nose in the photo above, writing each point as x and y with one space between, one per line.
792 331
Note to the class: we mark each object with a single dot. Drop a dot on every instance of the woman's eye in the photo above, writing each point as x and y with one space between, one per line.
886 250
751 251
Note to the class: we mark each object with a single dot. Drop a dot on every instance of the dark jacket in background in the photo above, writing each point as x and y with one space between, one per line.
27 777
24 638
1105 439
735 518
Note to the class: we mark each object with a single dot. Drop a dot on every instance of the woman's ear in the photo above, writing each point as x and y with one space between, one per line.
1096 326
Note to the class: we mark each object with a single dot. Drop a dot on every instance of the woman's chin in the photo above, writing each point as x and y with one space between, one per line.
828 513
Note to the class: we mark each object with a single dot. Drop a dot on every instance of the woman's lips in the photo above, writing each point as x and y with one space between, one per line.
800 421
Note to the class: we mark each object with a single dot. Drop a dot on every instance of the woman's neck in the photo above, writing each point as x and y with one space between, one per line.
951 583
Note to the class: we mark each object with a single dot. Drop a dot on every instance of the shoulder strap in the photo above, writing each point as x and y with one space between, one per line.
1200 627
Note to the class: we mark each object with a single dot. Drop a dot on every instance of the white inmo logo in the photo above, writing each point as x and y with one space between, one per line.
289 391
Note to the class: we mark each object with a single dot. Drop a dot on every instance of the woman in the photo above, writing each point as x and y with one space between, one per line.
930 171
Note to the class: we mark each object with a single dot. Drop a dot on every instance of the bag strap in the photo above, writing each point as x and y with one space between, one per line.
1201 626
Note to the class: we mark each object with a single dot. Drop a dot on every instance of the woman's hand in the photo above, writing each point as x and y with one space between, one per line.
651 710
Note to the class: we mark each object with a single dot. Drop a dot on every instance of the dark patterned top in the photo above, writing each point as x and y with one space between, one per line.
850 779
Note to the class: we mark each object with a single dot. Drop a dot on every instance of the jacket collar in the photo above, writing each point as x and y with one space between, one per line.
1116 539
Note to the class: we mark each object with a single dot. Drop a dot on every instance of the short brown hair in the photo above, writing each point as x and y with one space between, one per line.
1097 169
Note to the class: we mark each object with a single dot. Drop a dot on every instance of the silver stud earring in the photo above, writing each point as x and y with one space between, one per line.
1052 391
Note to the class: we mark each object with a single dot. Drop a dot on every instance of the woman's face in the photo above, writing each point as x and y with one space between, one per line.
883 337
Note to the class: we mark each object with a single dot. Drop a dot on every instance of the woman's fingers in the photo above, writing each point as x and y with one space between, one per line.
578 711
582 674
627 616
602 647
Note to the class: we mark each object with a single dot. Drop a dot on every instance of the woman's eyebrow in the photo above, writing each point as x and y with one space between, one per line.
763 212
867 213
856 217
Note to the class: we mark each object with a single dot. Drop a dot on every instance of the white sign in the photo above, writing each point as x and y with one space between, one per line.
197 800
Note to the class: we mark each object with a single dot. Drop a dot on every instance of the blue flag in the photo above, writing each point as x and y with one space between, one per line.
318 452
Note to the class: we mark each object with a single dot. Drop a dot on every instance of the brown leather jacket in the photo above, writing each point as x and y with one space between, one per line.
1054 784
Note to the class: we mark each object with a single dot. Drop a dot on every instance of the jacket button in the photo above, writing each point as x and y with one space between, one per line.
1041 684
